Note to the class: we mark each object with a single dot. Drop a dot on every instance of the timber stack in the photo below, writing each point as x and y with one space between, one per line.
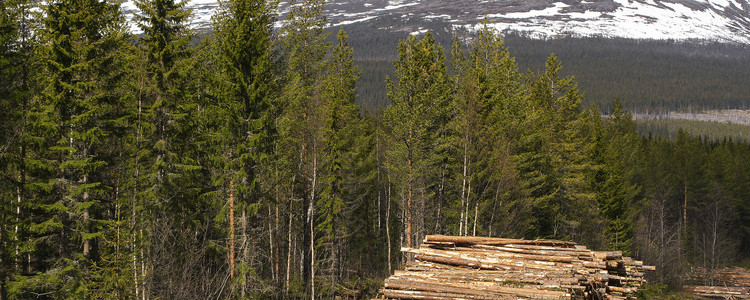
727 283
454 267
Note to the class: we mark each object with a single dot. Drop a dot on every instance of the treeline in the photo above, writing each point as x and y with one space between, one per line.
240 166
707 130
646 75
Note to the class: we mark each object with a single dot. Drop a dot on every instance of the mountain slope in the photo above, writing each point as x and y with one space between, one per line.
714 20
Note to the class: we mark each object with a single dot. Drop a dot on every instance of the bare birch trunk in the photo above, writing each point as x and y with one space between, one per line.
311 212
462 222
15 229
289 246
231 228
409 200
245 251
271 244
276 238
134 201
388 225
476 217
380 191
86 242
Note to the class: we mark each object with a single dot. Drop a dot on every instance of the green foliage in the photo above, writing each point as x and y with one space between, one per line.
656 291
241 122
15 91
715 131
120 155
614 182
555 157
415 119
244 109
71 126
65 279
340 91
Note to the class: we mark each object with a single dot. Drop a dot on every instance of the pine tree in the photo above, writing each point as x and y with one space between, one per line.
417 100
487 100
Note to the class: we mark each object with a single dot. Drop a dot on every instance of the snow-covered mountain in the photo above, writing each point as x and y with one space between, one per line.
715 20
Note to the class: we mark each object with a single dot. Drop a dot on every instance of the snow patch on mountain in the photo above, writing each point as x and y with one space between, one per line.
714 20
632 19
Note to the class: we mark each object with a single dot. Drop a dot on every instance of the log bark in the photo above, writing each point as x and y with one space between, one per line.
461 267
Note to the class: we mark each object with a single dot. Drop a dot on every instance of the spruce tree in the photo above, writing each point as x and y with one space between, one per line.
553 157
616 191
340 91
244 113
303 119
170 178
69 133
16 67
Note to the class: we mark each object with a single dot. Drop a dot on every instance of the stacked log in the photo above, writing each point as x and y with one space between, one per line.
449 267
728 283
721 292
734 276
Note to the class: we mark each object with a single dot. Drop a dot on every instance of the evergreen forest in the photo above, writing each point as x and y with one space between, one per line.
238 164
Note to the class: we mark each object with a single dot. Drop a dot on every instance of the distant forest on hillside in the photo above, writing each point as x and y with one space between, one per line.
645 75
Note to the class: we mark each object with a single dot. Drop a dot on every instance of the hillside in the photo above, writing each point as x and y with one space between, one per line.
715 20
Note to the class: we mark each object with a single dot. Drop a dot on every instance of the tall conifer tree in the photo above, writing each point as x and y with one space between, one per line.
245 116
339 91
170 177
70 134
616 191
302 123
487 104
16 68
417 98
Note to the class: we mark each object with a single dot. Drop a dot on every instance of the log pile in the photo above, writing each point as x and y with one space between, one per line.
449 267
728 283
720 292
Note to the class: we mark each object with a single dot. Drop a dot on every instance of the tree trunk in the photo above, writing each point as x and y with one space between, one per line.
273 248
289 244
86 242
684 208
476 218
409 200
134 201
231 229
276 238
306 216
441 198
388 225
245 251
15 229
379 182
462 222
312 224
